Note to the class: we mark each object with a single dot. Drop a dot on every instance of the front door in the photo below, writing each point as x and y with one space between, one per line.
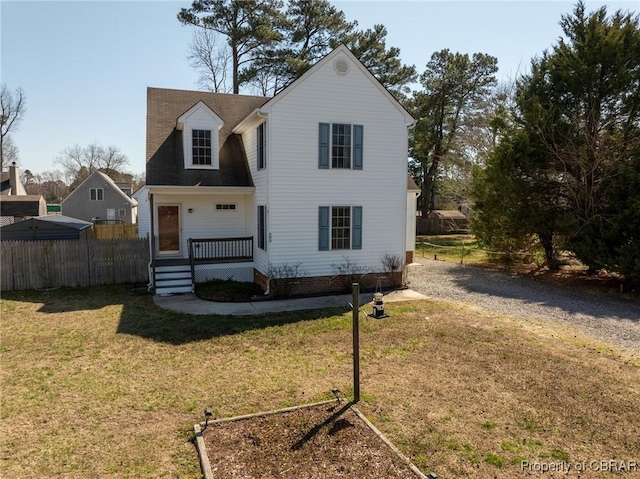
168 229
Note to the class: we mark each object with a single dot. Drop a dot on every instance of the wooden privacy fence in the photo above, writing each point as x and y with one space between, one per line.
120 231
74 263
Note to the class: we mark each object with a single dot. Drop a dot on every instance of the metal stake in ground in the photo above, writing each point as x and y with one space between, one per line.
356 341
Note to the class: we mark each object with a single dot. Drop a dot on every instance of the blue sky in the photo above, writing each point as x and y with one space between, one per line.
85 65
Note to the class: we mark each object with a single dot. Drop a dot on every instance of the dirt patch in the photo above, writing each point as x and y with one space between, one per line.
324 441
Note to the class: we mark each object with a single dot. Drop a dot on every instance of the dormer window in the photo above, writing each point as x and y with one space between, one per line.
201 140
200 137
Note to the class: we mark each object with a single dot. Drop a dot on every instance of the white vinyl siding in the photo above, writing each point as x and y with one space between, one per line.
297 188
143 212
200 138
205 220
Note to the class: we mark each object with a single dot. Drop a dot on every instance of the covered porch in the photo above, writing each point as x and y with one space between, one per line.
199 234
209 258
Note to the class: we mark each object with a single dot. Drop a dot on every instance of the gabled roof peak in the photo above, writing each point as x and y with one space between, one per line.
200 105
341 68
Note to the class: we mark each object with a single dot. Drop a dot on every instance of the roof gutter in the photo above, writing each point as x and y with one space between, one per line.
195 190
246 123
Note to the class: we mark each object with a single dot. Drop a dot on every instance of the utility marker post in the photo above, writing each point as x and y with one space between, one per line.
356 341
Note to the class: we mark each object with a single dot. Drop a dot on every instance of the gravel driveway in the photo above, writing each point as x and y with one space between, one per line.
613 320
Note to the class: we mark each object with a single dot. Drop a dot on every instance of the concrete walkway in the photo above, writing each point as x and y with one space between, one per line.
191 304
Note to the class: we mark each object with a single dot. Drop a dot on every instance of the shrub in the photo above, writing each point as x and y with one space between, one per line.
348 272
282 278
394 267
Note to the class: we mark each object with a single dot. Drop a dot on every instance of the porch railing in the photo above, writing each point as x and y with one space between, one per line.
220 250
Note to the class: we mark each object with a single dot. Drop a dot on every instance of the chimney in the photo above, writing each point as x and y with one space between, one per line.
14 181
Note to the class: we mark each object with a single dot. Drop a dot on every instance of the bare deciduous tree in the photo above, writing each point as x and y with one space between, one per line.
246 24
79 162
12 108
10 152
210 58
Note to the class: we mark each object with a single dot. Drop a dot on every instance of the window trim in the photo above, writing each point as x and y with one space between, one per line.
98 193
226 207
206 148
326 228
340 228
326 146
341 152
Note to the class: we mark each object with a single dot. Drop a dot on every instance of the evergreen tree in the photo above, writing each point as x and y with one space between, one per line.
248 25
454 89
580 108
270 48
369 46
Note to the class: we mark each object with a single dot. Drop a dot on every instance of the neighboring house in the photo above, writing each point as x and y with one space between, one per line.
443 222
246 186
99 198
54 227
15 203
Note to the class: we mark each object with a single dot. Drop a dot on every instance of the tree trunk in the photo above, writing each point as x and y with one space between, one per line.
429 176
236 85
546 240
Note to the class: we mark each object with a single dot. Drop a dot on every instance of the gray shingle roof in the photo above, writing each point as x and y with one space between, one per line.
74 223
411 185
165 163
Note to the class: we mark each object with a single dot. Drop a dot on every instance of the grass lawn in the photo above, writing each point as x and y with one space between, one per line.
100 382
451 248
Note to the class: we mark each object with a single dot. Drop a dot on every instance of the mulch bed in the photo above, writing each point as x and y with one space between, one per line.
323 441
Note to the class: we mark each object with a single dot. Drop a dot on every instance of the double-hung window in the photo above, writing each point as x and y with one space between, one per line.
339 227
201 147
340 145
262 227
261 143
96 194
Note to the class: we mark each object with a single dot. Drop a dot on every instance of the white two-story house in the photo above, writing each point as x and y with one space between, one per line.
240 186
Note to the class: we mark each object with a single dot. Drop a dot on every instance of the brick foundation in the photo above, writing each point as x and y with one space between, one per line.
311 285
408 257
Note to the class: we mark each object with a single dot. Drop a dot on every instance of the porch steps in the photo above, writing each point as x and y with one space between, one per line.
172 279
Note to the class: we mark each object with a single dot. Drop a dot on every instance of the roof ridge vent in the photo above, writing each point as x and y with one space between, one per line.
341 66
